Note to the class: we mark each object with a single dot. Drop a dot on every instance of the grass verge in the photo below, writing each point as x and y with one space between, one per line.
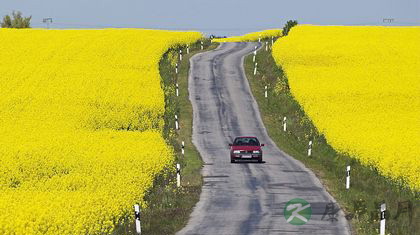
169 207
368 189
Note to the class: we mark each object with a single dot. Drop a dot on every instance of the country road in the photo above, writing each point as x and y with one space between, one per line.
245 198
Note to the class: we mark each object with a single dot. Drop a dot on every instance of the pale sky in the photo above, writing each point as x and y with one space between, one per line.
220 17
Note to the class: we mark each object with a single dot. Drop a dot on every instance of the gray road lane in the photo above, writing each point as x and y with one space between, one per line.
244 198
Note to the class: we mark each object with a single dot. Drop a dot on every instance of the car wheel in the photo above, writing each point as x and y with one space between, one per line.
260 160
232 161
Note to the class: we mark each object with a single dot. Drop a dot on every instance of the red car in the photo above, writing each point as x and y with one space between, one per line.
246 148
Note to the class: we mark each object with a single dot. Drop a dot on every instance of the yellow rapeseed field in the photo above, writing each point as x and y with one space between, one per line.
251 36
360 86
81 118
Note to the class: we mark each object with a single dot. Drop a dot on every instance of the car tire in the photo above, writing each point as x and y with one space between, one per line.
232 161
260 160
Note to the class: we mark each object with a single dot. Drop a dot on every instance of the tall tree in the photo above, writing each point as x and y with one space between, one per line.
16 21
290 24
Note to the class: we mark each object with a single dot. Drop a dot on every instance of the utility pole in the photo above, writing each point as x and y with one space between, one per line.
47 21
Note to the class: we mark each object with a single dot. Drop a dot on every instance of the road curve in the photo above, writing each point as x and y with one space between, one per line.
245 198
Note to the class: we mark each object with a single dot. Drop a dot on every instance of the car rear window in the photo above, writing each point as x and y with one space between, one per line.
245 141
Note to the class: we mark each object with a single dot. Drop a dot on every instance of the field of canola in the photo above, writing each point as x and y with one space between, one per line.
360 86
81 118
251 36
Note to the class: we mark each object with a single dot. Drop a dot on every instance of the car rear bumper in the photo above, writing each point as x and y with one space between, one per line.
245 156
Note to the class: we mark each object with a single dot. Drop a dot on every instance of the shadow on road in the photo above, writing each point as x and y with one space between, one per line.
247 161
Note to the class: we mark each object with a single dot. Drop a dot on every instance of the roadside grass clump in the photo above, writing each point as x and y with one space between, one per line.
169 207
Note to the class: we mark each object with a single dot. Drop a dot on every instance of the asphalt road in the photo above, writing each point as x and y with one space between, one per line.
245 198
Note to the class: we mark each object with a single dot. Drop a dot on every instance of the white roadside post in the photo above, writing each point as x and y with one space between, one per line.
178 175
382 226
265 92
177 90
137 218
266 46
202 47
180 54
188 49
284 124
176 122
259 38
348 177
182 148
255 54
176 68
310 148
255 68
272 41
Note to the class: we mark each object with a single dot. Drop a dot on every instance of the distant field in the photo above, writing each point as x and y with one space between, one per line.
81 121
252 36
360 86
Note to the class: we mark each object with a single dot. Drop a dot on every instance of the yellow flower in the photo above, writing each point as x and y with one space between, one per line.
360 86
81 118
252 36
